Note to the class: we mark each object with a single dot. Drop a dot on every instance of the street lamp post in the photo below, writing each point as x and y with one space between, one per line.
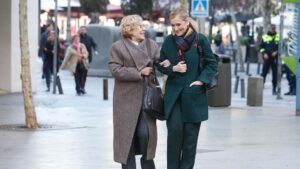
55 50
280 51
68 40
298 64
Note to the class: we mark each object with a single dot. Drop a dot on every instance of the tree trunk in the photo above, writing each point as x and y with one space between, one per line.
266 13
94 17
239 49
30 115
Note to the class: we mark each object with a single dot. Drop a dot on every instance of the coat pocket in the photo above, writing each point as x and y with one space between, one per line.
194 89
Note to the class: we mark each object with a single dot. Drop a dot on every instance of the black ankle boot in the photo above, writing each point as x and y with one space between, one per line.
274 91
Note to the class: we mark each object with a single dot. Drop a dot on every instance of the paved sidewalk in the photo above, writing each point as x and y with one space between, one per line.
77 132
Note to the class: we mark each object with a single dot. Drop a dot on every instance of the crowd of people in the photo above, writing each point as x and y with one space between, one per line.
268 49
76 57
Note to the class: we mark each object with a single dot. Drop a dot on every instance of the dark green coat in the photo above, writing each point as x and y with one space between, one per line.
193 99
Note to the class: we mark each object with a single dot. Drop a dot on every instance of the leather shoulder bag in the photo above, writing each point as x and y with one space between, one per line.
153 102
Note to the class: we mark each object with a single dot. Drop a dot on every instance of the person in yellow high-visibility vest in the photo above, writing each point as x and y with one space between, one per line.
269 50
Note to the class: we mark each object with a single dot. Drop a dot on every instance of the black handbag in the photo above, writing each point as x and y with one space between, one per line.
214 83
153 101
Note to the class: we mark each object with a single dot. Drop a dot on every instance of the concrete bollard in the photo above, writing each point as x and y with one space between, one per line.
255 91
105 89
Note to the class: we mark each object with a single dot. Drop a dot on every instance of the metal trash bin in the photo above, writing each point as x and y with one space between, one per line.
221 95
255 91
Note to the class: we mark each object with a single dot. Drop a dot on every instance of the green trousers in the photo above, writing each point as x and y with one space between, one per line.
182 141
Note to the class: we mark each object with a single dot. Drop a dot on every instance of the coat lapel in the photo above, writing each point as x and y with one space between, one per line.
138 53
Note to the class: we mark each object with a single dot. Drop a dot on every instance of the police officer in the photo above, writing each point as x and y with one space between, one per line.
290 76
269 50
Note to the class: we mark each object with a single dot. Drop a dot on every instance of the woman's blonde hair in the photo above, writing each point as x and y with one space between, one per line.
128 23
183 14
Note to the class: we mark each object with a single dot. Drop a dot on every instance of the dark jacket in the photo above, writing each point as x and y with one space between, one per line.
42 44
269 44
89 44
193 99
48 56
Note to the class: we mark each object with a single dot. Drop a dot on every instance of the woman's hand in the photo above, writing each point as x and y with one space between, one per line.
80 55
165 63
180 67
266 56
274 54
146 71
197 83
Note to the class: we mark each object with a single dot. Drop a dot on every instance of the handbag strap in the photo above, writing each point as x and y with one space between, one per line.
200 53
153 67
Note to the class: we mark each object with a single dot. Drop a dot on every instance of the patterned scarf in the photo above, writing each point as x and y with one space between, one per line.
76 46
183 43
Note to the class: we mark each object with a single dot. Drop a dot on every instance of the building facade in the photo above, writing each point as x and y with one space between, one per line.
10 55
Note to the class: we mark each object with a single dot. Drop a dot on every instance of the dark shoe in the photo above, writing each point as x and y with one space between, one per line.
274 92
78 93
82 91
292 92
48 90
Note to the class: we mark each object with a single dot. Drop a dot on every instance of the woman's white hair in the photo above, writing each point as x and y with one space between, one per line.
128 23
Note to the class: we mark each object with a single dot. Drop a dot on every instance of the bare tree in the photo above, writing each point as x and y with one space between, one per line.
30 114
143 8
267 8
94 8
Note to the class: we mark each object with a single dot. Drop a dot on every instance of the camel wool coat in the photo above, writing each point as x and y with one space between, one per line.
70 60
125 62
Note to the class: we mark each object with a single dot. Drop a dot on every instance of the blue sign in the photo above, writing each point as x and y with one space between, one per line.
200 8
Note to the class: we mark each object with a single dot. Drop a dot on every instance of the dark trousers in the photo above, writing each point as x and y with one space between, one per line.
47 71
139 146
271 62
84 76
290 77
182 141
78 75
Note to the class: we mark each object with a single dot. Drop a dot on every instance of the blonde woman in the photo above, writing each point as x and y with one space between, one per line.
76 60
134 131
185 95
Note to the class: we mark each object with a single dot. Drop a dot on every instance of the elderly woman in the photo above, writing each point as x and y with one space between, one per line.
134 131
185 95
76 60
